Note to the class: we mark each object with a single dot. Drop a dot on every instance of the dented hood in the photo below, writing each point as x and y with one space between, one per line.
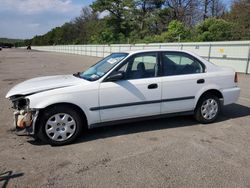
40 84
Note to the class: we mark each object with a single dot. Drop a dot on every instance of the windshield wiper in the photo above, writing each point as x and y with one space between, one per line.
77 74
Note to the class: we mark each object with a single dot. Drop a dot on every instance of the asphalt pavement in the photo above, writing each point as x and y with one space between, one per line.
170 152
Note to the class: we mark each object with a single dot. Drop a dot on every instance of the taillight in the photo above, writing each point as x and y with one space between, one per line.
236 77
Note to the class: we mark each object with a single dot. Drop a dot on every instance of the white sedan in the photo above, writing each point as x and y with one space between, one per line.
122 87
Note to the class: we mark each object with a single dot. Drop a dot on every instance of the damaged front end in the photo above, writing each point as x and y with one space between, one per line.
24 117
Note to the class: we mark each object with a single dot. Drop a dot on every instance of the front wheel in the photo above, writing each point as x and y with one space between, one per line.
207 109
59 125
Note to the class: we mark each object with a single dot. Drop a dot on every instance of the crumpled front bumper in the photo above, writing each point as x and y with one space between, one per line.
25 121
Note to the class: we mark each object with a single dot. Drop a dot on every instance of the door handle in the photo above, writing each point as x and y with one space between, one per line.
152 86
200 81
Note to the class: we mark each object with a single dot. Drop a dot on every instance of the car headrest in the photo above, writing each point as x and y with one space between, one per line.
141 66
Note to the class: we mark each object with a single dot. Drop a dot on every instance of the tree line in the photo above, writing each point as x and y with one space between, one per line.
5 42
150 21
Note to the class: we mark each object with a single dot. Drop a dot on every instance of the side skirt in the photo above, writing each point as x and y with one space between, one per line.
129 120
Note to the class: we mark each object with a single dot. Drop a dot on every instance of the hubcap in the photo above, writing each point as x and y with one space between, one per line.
209 109
60 127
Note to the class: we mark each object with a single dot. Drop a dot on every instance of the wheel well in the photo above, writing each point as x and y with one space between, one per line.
215 92
70 105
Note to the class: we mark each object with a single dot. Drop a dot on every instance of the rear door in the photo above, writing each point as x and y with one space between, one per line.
183 77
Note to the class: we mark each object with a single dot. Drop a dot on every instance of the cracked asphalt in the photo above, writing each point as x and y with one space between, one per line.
170 152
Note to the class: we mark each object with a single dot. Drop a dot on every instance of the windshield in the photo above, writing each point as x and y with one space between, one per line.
102 67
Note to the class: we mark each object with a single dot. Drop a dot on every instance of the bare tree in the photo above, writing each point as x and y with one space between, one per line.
183 10
206 4
211 8
217 8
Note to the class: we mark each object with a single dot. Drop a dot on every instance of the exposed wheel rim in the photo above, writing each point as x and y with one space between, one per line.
60 127
209 109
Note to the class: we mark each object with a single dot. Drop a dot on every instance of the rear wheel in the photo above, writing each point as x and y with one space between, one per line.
60 125
207 109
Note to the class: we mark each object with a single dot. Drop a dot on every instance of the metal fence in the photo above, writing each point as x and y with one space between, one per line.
235 54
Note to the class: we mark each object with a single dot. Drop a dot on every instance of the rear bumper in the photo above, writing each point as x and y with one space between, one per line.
230 95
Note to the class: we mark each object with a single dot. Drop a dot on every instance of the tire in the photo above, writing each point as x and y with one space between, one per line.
59 125
207 109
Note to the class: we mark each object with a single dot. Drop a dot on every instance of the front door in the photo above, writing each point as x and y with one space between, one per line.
137 95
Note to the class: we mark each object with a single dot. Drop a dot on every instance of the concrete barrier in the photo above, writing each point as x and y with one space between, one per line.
235 54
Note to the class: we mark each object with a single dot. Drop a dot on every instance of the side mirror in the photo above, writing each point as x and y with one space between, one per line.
115 76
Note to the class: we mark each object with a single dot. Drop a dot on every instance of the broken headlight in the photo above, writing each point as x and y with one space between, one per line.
20 102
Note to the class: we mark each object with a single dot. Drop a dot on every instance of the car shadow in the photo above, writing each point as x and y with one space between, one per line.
232 111
6 176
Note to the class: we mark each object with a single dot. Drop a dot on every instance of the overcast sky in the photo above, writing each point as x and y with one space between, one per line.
26 18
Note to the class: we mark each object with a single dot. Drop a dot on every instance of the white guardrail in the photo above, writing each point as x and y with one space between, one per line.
235 54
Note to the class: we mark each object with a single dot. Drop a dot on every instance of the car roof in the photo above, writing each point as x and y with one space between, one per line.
155 50
207 63
131 52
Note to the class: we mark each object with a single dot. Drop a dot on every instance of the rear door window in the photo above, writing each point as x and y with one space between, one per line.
179 63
